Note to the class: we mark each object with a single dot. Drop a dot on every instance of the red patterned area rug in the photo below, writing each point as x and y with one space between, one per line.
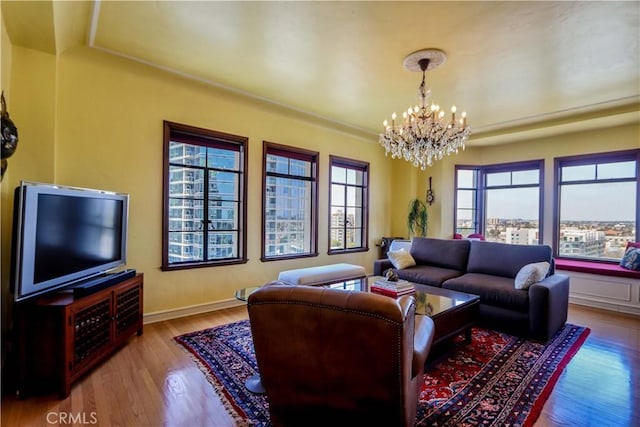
494 380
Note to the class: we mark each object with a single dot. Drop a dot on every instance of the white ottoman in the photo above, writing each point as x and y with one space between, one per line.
322 275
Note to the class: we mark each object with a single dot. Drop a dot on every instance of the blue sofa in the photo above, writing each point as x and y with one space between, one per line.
488 269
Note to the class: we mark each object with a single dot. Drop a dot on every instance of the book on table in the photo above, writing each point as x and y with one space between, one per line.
391 292
392 288
397 285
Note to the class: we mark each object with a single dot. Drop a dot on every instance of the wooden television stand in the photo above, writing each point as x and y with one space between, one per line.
60 337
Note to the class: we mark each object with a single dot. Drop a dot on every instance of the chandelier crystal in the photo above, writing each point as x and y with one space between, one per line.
424 134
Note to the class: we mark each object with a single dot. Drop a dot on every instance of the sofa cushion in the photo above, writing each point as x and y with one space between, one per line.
398 244
401 258
493 290
530 274
427 275
631 259
451 254
504 260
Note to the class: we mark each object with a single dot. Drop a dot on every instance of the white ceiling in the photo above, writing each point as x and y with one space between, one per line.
510 65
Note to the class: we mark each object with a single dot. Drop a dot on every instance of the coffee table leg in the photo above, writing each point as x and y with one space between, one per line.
467 335
254 384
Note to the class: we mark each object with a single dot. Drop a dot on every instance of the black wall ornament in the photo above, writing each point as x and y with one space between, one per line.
8 133
430 196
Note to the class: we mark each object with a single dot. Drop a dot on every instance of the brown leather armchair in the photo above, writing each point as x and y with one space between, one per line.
336 357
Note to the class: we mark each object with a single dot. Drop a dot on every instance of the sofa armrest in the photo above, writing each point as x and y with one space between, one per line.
422 339
380 266
548 305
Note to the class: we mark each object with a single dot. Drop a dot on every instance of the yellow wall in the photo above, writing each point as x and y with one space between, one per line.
403 190
5 191
5 66
109 136
32 109
409 183
28 78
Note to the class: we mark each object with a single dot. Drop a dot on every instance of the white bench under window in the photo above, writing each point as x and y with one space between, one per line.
322 275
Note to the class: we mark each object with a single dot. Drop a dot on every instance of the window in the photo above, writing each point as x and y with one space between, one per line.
502 202
290 199
348 201
204 219
596 205
467 221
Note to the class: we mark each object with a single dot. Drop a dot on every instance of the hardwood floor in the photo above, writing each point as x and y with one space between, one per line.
601 384
153 382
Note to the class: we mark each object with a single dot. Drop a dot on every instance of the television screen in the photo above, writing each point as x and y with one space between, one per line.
63 235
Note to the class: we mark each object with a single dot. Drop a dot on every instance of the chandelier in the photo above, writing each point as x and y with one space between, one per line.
424 134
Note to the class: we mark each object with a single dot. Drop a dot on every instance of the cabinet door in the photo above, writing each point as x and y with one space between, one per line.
128 310
91 329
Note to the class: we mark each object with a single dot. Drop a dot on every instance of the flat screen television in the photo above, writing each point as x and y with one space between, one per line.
64 235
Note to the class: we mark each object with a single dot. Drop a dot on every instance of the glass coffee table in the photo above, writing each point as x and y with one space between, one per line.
243 293
452 312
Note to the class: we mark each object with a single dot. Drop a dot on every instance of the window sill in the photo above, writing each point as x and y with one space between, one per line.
203 264
286 257
604 269
346 251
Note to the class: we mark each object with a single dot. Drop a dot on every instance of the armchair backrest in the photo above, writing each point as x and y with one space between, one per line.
327 355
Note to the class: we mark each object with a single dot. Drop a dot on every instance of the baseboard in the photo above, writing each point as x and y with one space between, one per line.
159 316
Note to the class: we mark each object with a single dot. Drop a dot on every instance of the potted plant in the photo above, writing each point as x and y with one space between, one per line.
417 218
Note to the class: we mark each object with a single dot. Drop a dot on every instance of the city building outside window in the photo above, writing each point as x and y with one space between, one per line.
290 200
597 207
502 202
204 218
348 201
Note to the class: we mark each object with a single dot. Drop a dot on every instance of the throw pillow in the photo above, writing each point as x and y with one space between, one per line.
530 274
631 259
401 259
